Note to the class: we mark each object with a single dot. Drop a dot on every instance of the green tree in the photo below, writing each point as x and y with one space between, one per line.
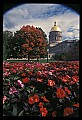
44 34
18 41
7 39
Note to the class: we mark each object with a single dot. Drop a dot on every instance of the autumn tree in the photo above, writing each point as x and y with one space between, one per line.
44 34
31 41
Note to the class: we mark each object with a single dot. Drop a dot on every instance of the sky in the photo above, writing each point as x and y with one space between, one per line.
44 16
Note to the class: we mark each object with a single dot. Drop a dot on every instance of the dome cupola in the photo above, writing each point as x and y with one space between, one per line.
55 27
55 35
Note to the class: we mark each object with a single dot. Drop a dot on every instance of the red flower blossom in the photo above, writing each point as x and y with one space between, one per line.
44 98
41 104
66 78
72 82
30 73
23 74
50 73
4 99
33 99
6 74
67 111
43 111
75 78
39 73
51 83
36 98
60 93
39 80
12 90
67 90
76 105
25 80
54 114
20 83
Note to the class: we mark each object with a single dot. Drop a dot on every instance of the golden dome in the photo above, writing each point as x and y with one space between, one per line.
55 28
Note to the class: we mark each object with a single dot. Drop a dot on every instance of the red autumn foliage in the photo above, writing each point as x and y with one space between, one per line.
34 41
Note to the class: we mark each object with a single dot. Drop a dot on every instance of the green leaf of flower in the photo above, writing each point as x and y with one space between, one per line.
16 77
14 109
8 80
21 113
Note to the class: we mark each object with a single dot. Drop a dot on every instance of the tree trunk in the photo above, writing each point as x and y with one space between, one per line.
37 57
28 57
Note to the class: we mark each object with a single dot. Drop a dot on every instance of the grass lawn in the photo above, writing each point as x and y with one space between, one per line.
41 61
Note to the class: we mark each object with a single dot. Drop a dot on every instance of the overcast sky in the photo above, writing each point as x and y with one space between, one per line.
44 16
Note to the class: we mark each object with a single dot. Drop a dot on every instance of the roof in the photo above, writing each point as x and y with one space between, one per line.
55 28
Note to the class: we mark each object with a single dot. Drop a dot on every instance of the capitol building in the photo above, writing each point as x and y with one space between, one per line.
62 50
55 35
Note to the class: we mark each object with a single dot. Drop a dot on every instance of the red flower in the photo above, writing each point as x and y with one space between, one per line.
72 82
51 83
60 93
66 78
67 90
25 80
75 78
39 73
20 83
30 73
12 90
41 104
76 105
4 99
33 99
44 98
67 111
23 74
36 98
54 114
39 80
43 111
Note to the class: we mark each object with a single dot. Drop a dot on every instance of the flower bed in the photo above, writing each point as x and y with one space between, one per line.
40 89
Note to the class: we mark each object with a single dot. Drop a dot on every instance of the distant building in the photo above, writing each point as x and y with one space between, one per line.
62 50
55 35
